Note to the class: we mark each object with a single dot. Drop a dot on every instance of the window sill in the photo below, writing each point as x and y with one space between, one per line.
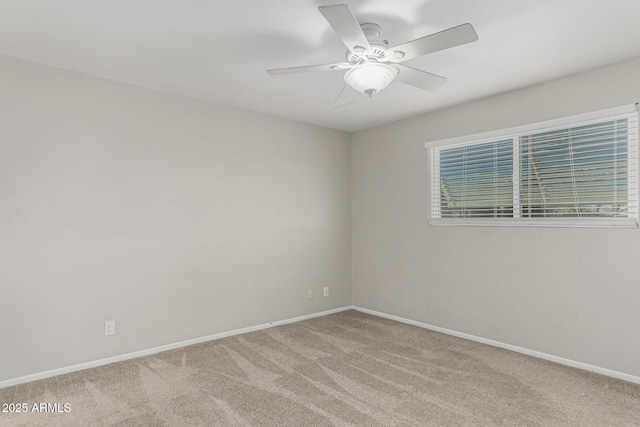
540 222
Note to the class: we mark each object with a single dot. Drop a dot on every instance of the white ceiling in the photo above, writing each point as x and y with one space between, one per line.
218 50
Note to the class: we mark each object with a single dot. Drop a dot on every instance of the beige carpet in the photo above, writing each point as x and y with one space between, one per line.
344 369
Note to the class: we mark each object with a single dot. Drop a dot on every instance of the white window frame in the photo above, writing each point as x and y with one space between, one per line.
629 112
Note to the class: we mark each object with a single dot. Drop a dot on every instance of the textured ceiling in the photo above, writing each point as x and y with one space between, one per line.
219 50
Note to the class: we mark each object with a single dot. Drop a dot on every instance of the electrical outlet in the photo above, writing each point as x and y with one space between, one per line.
309 294
109 328
326 291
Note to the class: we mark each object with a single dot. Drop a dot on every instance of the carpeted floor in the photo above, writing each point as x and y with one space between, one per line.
348 368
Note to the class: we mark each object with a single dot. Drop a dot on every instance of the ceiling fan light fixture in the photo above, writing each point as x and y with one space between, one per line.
371 77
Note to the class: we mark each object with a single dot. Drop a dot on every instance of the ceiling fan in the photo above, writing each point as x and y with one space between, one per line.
371 64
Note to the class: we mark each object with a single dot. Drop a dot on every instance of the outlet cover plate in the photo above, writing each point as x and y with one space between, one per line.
109 328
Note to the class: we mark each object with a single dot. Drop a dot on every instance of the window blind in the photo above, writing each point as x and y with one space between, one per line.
477 180
577 171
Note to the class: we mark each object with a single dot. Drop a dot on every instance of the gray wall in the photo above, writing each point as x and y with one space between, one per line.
176 218
571 293
180 219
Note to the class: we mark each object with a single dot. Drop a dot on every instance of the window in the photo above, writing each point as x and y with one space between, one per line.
578 171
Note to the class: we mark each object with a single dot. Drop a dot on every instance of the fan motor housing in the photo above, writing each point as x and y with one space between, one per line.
378 45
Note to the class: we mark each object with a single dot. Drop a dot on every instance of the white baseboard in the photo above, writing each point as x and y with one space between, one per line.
154 350
534 353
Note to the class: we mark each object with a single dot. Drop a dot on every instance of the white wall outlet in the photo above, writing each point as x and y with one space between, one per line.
109 328
309 294
326 291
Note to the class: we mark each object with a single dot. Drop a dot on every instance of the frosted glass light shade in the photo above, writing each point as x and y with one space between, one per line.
370 78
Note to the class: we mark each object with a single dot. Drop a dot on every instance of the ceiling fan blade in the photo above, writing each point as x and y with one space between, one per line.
345 24
419 78
310 68
446 39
